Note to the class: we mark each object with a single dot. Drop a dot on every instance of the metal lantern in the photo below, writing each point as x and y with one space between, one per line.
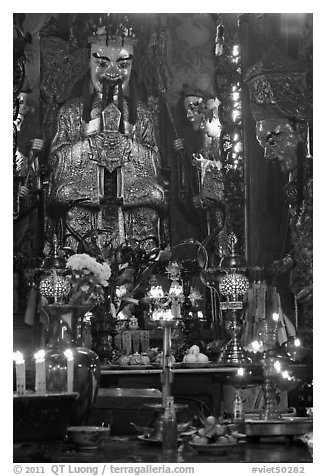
234 286
55 287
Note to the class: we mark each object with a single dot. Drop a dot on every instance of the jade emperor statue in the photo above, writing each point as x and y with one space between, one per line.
104 160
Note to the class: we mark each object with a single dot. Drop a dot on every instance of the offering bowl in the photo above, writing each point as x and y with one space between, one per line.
88 437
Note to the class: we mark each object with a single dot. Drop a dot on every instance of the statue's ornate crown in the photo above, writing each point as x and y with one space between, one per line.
279 88
112 27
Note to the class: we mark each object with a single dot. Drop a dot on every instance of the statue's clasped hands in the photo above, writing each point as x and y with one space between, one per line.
178 144
110 148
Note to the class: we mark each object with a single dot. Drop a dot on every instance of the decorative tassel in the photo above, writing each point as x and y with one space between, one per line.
133 100
219 40
88 99
120 107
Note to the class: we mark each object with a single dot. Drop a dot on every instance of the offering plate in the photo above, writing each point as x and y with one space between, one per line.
214 447
287 426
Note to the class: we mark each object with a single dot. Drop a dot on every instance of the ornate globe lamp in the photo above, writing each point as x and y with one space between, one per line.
54 286
233 286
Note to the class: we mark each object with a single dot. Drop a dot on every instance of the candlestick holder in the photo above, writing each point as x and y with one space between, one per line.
166 321
166 375
165 312
271 368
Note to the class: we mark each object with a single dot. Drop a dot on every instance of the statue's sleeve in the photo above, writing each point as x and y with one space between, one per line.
73 175
142 179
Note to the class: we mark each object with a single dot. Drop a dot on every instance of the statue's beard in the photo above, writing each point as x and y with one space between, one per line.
109 90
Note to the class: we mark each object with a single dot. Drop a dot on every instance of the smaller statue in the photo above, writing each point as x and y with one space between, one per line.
205 181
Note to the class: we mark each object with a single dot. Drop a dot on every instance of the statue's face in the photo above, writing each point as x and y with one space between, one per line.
213 126
24 109
279 141
193 105
112 63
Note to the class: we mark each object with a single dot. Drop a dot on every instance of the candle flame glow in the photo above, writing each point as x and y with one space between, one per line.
275 316
68 354
39 356
285 374
256 345
18 357
277 366
236 50
240 371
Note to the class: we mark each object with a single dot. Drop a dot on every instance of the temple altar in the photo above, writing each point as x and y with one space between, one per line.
162 248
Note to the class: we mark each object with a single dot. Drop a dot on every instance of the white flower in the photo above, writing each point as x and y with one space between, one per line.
120 291
102 271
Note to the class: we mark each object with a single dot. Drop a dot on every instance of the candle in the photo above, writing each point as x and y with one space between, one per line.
20 373
40 383
70 370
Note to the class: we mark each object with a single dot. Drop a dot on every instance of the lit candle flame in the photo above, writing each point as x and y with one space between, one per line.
40 355
69 354
277 366
297 342
285 374
256 346
18 357
275 316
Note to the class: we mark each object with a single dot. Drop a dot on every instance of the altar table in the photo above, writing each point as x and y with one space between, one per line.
130 449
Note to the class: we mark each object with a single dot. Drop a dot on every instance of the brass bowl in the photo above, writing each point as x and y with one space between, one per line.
287 426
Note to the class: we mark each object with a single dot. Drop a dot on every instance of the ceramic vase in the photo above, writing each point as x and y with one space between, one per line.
63 325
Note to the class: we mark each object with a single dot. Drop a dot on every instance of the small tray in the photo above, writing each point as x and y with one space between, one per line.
214 447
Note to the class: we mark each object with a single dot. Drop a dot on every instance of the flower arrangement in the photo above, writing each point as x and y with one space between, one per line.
88 279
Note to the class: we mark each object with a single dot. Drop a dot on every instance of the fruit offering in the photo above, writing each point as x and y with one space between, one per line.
134 359
216 432
194 356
